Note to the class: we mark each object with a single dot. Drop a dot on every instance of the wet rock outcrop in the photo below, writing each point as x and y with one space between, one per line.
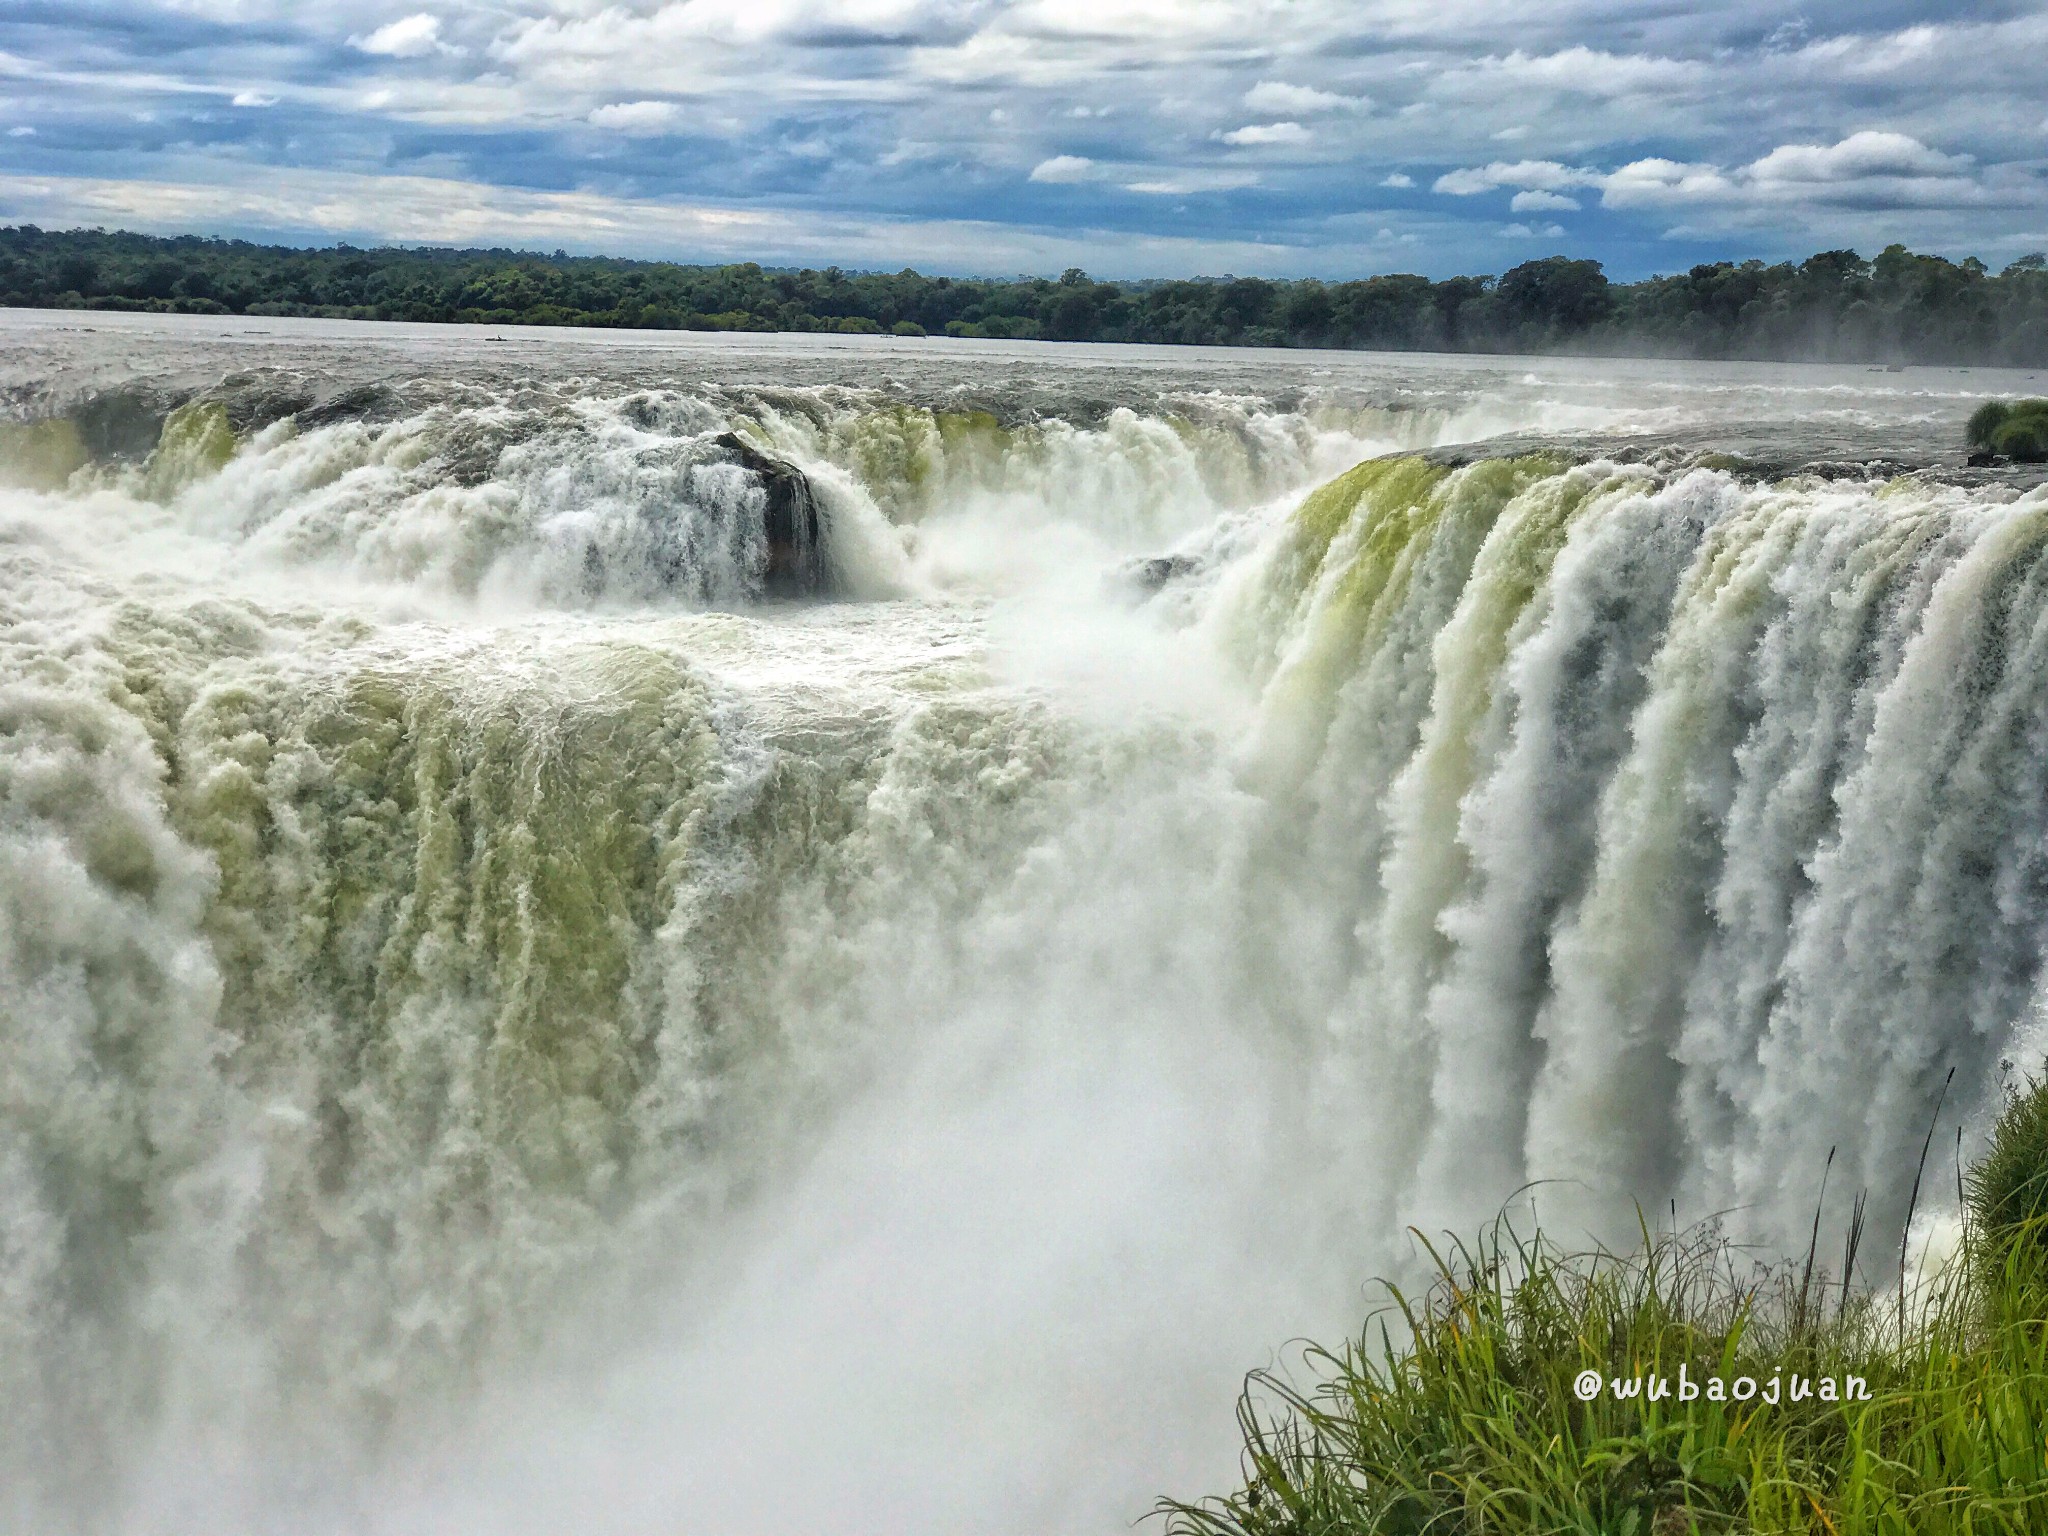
796 556
1149 574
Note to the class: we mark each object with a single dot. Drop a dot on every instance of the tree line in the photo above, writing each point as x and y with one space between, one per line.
1835 306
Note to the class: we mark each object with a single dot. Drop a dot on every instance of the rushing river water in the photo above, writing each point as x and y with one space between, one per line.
506 1028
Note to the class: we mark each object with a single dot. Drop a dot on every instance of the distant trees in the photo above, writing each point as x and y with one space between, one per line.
1834 306
1554 298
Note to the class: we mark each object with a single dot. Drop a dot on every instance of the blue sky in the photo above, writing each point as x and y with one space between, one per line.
1130 137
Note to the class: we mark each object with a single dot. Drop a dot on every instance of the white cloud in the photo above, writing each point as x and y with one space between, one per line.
1279 97
1871 168
1193 181
253 99
671 34
909 152
1856 158
1862 56
1643 183
1063 168
406 38
21 132
1267 133
1527 232
1788 35
1399 180
1574 71
1868 169
1512 135
1539 175
636 116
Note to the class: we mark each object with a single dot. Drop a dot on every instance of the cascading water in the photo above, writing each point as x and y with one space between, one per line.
505 1025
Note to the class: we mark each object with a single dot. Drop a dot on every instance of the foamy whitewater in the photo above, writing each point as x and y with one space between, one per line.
508 1025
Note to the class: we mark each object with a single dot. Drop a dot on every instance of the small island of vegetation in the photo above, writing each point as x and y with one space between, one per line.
2016 430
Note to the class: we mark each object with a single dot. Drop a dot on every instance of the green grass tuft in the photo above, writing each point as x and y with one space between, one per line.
2016 429
1454 1413
1985 421
2006 1195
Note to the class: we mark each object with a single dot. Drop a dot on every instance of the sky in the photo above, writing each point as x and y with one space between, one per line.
1132 138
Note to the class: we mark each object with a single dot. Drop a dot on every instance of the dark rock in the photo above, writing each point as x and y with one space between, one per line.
1145 576
121 425
359 402
796 556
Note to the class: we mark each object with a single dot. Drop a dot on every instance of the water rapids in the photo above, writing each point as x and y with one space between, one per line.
507 1024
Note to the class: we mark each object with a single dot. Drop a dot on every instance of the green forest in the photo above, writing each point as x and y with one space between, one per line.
1897 307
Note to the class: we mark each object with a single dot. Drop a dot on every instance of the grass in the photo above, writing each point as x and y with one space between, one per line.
2014 430
1454 1414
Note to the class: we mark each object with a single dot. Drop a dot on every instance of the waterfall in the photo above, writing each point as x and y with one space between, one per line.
1701 825
498 1003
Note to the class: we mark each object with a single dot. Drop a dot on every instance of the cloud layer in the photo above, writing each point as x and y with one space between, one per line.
1129 136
